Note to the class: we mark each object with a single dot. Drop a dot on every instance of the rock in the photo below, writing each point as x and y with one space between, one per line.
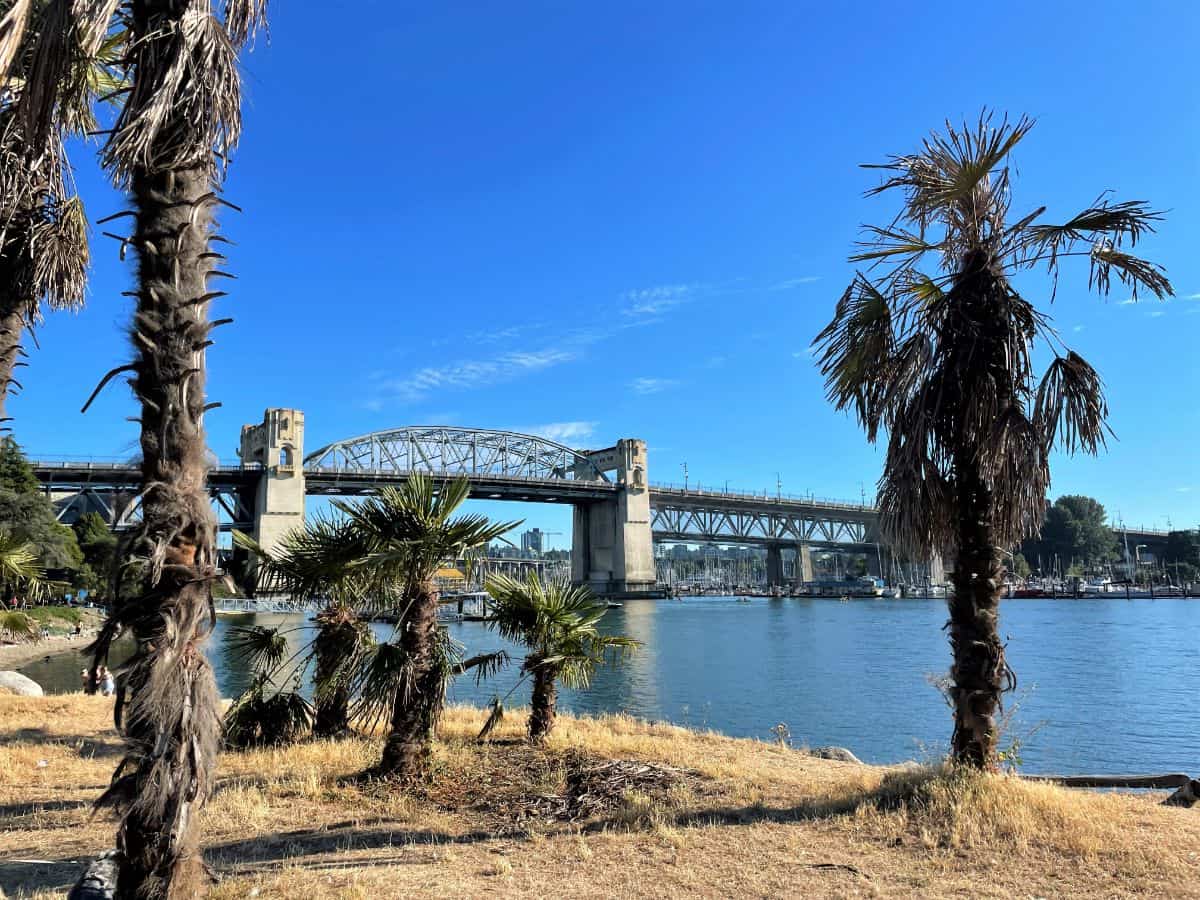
841 754
16 683
99 880
1188 795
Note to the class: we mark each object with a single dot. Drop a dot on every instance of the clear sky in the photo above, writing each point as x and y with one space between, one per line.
629 220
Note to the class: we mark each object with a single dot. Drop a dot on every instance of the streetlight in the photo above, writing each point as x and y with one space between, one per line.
778 486
685 477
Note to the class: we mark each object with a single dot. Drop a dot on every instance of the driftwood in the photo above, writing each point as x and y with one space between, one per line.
1159 782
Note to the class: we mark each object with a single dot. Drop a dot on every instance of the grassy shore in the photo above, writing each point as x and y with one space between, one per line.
701 815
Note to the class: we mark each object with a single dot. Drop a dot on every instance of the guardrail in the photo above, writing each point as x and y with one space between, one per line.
767 496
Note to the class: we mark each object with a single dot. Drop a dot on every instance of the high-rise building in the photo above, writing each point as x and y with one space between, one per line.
531 541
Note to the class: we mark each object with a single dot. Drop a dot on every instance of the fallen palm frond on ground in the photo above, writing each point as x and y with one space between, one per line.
656 809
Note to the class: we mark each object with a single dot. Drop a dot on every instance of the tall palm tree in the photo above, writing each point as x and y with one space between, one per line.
323 559
941 362
179 122
58 72
557 622
414 529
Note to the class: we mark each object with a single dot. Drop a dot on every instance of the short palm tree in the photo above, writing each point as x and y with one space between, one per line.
557 622
323 560
20 572
413 529
941 361
264 715
178 124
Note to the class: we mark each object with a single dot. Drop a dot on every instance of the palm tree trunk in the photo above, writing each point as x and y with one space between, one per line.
12 326
979 674
419 700
170 721
544 702
336 639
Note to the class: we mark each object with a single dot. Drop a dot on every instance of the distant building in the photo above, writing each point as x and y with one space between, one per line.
531 541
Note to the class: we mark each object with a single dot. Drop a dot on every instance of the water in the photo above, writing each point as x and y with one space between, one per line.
1106 686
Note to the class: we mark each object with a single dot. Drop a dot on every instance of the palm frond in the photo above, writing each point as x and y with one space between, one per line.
12 31
484 665
184 104
17 626
60 253
259 719
243 18
1070 407
855 348
495 717
261 648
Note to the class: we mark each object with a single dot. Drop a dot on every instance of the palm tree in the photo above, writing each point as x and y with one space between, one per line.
557 622
58 72
942 363
261 716
323 559
20 571
413 529
179 122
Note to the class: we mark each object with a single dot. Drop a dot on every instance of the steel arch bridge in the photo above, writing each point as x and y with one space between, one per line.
473 452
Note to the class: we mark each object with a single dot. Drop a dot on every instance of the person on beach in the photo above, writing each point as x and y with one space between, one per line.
108 684
83 680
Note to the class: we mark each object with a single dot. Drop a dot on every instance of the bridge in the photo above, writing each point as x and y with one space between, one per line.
618 513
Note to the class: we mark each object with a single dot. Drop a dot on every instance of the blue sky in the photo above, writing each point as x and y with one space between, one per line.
629 220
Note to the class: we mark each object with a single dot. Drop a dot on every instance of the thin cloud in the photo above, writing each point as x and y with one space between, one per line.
1079 328
794 283
1192 297
806 353
564 432
419 384
1129 302
654 301
1156 313
651 385
715 362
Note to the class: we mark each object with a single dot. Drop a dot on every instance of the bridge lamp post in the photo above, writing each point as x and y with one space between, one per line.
778 486
685 476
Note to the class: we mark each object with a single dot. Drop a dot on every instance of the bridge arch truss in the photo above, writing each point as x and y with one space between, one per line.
444 451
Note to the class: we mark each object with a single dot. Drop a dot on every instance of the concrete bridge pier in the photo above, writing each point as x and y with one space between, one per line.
803 572
278 446
774 565
611 543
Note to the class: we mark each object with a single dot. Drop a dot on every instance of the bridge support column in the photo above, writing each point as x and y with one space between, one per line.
804 564
278 446
611 545
774 565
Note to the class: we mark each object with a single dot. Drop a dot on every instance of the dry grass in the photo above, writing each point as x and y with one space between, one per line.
745 818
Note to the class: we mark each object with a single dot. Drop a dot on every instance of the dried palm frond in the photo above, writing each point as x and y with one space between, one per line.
12 31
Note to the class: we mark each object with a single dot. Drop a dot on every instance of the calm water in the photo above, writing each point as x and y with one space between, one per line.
1105 685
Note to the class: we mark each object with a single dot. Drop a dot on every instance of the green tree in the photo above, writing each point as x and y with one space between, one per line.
98 545
1075 528
16 474
557 622
941 361
1021 566
1183 547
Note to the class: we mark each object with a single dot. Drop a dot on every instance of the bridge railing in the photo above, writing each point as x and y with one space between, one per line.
358 472
764 495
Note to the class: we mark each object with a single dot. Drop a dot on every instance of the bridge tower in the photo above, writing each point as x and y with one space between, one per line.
612 547
278 446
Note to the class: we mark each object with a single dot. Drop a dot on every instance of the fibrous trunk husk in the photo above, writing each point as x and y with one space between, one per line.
167 708
420 697
543 703
338 637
